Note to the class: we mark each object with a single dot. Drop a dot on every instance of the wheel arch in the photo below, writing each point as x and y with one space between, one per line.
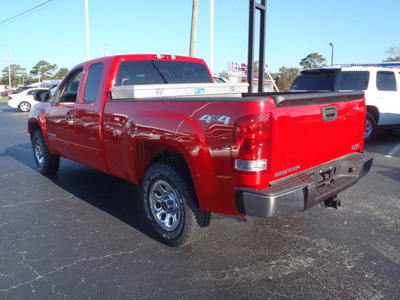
33 127
374 111
148 153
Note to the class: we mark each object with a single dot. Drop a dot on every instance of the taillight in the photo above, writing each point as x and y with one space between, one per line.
9 98
252 143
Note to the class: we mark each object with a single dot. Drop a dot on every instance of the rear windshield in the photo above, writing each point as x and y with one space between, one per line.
354 80
160 72
315 80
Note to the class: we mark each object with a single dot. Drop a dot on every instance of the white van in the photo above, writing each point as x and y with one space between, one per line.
380 84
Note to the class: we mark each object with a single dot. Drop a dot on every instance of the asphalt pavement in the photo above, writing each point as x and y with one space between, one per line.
82 234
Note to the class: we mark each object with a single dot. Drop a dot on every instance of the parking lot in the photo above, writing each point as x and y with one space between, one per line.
82 234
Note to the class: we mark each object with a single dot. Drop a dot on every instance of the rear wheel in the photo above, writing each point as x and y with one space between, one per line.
171 206
46 162
370 127
25 106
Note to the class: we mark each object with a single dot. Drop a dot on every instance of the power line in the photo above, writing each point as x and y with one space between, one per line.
25 12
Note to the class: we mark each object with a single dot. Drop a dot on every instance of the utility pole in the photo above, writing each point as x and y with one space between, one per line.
192 47
87 30
211 62
9 71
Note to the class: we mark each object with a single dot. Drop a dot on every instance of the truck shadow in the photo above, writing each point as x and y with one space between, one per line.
115 196
14 110
383 142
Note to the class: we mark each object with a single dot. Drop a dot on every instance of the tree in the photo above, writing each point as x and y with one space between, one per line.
16 72
285 77
255 68
394 53
43 69
61 73
312 61
224 74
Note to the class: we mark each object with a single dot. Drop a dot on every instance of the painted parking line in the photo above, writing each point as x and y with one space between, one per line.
394 151
19 114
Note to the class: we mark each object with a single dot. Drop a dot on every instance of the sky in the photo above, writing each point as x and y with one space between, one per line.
360 30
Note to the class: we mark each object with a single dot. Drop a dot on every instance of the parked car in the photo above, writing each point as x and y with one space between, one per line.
21 88
24 100
381 86
219 79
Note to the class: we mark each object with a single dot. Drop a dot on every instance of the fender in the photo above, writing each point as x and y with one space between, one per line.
185 137
37 120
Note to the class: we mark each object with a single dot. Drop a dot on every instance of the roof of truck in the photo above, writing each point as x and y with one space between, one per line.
359 67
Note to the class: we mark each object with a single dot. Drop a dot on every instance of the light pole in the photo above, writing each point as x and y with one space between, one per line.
87 30
332 54
9 71
211 65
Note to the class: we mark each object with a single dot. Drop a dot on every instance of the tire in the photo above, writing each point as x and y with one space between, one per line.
370 128
24 106
46 162
171 205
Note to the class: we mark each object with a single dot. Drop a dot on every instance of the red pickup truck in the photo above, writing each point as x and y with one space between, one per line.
156 121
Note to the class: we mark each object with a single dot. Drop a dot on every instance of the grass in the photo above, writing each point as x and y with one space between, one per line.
3 100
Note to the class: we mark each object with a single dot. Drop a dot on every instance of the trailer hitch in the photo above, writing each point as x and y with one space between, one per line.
333 202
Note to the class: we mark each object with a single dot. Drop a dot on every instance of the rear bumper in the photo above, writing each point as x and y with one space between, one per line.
304 190
12 104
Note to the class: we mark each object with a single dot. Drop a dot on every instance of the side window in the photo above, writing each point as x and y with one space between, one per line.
354 80
386 81
31 92
93 83
69 91
314 81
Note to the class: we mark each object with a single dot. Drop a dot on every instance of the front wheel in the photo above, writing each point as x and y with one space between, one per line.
171 206
46 162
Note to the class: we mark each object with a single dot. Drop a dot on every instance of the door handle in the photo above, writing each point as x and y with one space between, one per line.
329 113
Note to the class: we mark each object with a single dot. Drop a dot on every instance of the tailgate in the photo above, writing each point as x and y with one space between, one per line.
310 129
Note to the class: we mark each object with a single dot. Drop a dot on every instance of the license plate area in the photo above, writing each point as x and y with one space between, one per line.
325 177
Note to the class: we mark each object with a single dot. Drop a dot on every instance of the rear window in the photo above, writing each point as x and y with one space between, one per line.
314 81
161 72
354 80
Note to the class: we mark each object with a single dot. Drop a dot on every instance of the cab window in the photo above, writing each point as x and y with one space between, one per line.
93 83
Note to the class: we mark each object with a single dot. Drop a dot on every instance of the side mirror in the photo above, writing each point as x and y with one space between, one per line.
42 96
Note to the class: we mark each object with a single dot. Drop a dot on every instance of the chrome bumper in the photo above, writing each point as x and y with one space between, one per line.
304 190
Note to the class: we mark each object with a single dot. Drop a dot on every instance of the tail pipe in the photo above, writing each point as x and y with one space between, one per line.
333 202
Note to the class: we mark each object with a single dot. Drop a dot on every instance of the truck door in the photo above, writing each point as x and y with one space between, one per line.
88 118
388 97
60 117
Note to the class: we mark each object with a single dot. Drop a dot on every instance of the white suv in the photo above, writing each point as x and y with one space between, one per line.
380 84
24 100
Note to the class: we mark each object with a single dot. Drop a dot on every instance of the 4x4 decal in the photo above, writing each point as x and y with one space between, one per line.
219 119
